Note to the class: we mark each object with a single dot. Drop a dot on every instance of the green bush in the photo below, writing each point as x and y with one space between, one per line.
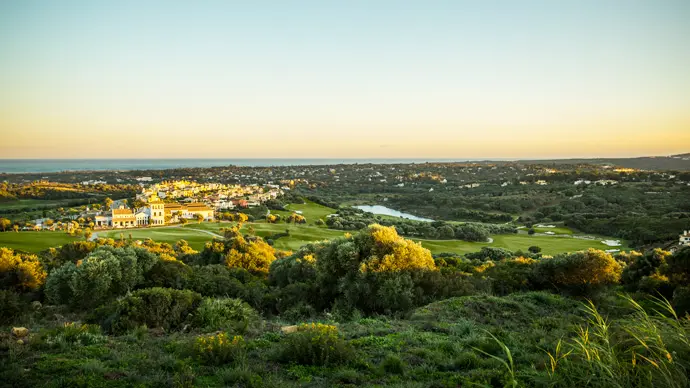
316 344
681 300
154 307
11 306
393 364
580 273
103 275
226 313
490 253
677 267
512 275
215 280
241 377
168 274
72 334
641 266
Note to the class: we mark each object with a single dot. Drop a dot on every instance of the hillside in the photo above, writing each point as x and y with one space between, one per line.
675 162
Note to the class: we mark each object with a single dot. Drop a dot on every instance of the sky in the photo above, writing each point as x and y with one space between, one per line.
344 79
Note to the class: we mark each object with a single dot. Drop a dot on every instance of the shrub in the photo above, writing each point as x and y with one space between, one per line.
168 274
104 274
373 271
20 272
226 313
240 376
512 275
656 284
71 334
641 266
579 273
316 344
490 253
214 280
677 267
681 300
393 364
221 349
154 307
10 306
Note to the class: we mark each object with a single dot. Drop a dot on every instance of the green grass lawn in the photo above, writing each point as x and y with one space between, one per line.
556 230
171 235
310 210
35 241
303 234
549 244
299 235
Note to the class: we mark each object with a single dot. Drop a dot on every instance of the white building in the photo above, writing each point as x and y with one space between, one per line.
685 238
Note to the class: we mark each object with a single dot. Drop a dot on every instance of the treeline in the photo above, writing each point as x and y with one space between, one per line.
54 190
641 214
356 219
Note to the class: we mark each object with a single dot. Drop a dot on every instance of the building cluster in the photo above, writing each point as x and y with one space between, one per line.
215 195
170 202
685 238
156 212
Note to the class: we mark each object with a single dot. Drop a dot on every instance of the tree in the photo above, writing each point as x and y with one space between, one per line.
15 227
107 203
5 224
531 231
87 234
199 217
446 232
534 249
104 274
183 220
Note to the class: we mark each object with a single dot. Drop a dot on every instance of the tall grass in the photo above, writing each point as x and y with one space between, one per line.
631 352
508 365
644 349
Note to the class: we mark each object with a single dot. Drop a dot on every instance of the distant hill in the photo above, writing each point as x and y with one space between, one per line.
679 162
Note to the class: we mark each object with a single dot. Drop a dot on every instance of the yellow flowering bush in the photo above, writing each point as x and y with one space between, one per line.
316 344
20 272
221 348
390 252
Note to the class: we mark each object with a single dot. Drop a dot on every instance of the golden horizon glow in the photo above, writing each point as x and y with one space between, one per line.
424 82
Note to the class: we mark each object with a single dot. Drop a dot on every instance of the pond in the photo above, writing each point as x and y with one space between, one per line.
378 209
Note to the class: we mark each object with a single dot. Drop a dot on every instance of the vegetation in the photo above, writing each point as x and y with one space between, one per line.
255 302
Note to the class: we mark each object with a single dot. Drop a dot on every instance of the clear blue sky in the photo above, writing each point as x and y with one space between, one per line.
371 78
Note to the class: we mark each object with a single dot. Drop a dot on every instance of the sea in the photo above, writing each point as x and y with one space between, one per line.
19 166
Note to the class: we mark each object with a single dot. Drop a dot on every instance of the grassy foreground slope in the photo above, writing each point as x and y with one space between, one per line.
435 347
